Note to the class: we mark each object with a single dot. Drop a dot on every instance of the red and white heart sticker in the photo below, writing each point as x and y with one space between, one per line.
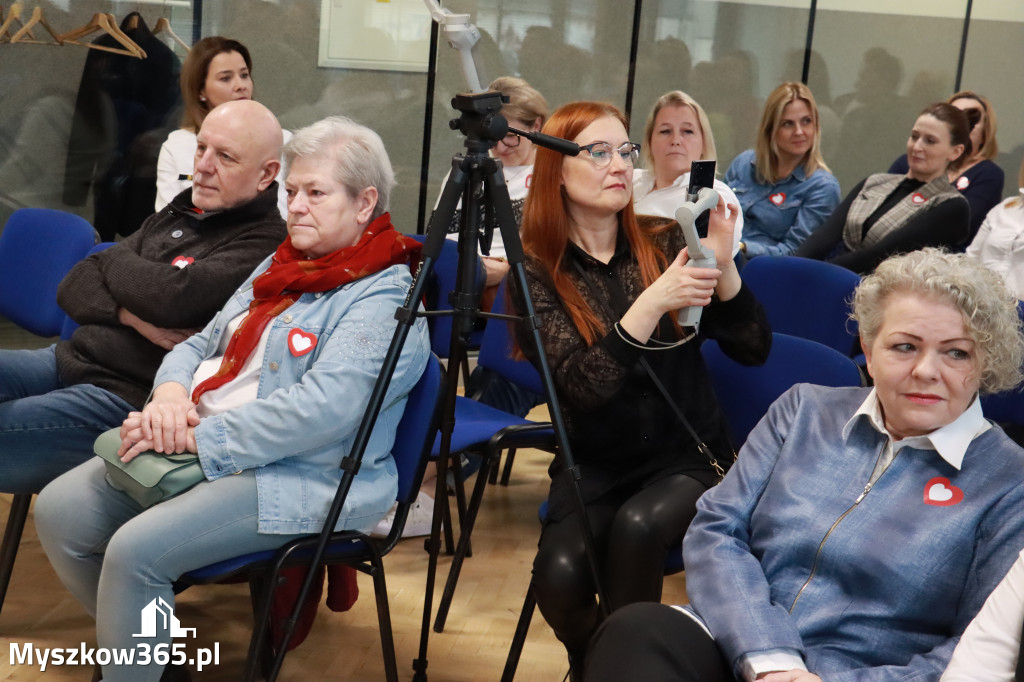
778 198
300 342
962 183
939 492
183 261
529 181
917 198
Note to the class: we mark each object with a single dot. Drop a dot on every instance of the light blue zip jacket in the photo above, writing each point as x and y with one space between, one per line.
781 554
309 406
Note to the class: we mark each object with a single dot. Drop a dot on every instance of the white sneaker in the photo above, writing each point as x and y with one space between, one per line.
418 523
383 526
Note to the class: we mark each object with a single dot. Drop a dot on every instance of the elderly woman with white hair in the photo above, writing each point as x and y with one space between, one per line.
269 395
860 530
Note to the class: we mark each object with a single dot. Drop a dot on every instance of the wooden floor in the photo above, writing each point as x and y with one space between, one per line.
342 646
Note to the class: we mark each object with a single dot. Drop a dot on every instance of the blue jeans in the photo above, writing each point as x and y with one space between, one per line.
46 427
116 558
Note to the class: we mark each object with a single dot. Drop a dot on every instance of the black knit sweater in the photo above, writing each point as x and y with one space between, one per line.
138 274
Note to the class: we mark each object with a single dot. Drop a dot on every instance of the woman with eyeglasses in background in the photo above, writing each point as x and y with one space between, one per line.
526 110
677 133
606 285
978 178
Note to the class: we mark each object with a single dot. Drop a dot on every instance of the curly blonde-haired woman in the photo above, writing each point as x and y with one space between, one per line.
861 529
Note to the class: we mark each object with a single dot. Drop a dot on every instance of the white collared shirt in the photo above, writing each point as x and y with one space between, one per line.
950 441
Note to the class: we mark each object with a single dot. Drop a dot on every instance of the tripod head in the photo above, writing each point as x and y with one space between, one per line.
480 120
482 124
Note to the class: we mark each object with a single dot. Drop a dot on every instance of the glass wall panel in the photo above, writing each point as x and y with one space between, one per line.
46 85
727 55
886 61
567 49
284 42
874 64
994 48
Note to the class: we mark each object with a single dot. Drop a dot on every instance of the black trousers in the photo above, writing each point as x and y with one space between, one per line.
654 642
632 536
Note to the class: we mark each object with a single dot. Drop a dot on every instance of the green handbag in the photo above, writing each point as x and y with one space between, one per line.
151 477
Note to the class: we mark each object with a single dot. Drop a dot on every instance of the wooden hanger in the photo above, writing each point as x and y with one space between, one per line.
164 26
14 14
24 34
104 22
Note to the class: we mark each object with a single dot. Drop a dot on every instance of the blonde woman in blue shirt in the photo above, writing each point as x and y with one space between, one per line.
783 185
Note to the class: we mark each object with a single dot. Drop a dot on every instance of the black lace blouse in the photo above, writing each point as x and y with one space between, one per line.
622 432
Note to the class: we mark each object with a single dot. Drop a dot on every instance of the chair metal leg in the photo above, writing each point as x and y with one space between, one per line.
12 537
507 471
387 639
493 477
515 650
463 548
261 651
264 657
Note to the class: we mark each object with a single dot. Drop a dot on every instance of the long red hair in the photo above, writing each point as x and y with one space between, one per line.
545 228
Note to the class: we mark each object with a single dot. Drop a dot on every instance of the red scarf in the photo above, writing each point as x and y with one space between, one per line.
291 274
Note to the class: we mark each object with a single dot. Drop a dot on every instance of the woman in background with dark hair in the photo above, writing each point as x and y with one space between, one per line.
888 213
978 178
216 70
606 286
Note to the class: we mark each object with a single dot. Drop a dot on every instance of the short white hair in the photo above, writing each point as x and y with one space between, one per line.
359 157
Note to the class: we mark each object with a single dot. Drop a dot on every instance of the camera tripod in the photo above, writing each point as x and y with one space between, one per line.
478 181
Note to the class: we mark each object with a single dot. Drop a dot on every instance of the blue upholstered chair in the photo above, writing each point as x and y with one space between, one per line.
489 431
806 298
37 248
413 441
745 393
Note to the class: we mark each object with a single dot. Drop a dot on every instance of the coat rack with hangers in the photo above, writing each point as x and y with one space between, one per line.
15 29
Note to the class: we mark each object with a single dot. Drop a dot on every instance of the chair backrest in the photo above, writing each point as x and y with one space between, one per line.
745 393
37 248
69 326
806 298
1006 407
446 270
496 351
415 436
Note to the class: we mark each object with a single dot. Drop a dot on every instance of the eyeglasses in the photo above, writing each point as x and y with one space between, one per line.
511 140
602 153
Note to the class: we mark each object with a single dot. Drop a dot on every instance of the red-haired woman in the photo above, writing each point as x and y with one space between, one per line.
606 286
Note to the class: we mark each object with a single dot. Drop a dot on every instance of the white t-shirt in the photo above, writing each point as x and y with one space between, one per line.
999 244
987 651
664 202
518 179
243 388
177 159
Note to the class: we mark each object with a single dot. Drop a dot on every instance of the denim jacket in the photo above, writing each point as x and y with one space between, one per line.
309 405
779 217
793 551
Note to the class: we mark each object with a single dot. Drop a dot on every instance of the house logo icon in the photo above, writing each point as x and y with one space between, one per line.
159 613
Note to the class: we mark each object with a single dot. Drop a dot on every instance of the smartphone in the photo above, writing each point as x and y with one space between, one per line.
702 174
